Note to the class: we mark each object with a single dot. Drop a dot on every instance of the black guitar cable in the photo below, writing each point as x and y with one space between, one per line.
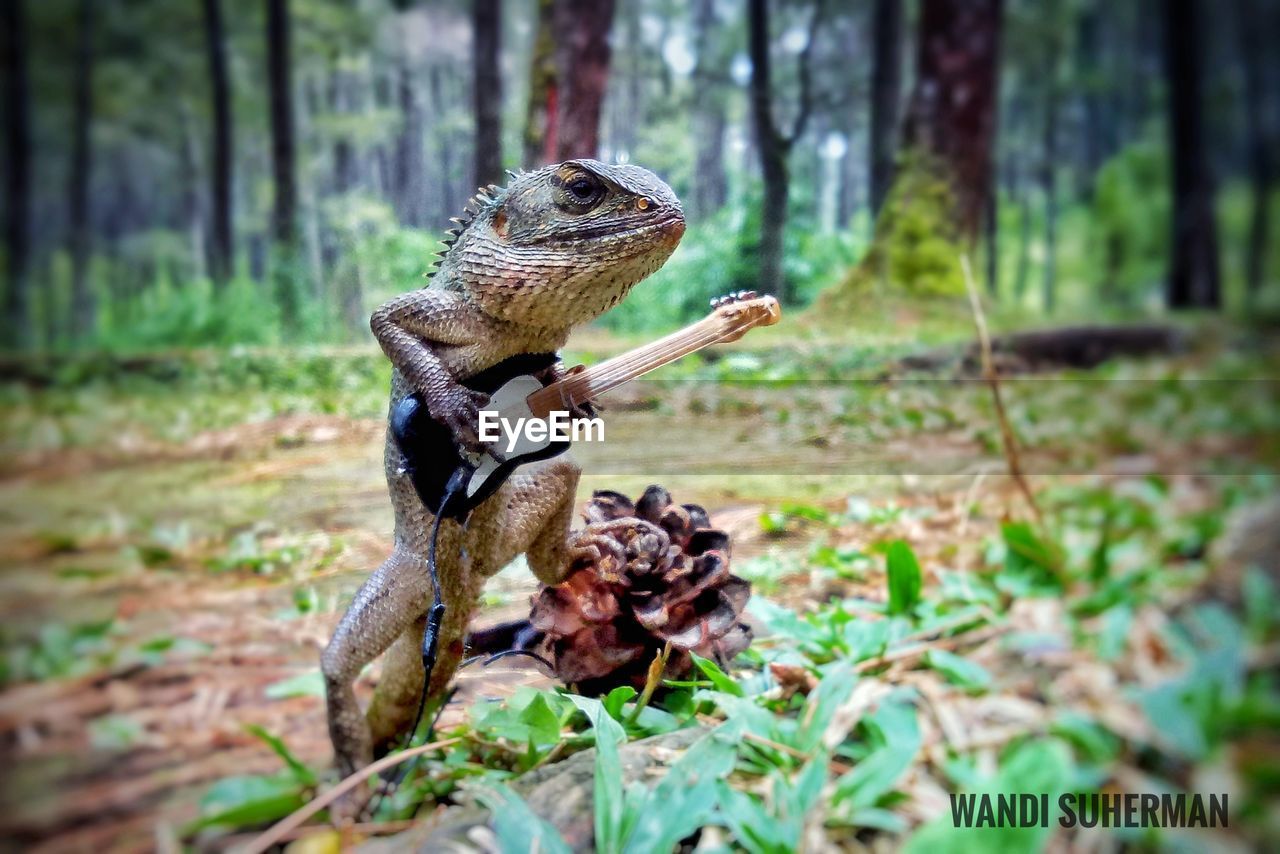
431 633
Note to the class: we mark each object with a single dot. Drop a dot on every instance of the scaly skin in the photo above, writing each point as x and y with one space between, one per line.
555 249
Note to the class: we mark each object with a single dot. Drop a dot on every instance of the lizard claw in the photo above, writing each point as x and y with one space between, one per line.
459 410
556 372
617 544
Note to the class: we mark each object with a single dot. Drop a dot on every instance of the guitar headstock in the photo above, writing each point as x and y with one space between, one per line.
743 311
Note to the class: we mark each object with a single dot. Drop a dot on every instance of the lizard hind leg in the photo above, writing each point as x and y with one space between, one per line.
388 604
399 692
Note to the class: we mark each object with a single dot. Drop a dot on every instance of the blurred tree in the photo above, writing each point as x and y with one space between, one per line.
1193 272
940 189
886 94
775 146
284 213
582 60
82 302
1251 21
952 114
486 19
222 245
710 189
539 138
410 183
17 183
1051 82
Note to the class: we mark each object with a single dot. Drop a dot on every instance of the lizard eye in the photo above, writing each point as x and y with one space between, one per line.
582 192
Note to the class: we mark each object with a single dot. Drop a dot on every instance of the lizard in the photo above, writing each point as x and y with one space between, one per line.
528 263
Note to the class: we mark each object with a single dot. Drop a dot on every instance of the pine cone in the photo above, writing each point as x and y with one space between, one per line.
661 576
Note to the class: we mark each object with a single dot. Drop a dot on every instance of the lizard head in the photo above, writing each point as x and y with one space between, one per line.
563 244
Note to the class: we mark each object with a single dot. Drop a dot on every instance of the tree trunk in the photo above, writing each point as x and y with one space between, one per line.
1193 273
340 104
583 61
886 86
222 245
772 152
540 116
487 91
1089 61
992 238
1022 273
709 190
952 115
17 174
192 214
1250 17
82 304
284 212
411 196
1049 183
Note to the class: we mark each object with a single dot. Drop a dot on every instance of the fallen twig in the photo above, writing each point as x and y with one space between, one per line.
278 831
992 377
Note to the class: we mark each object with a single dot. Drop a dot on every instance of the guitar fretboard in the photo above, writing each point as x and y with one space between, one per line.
611 373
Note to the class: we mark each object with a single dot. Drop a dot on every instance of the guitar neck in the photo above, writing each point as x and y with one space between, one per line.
611 373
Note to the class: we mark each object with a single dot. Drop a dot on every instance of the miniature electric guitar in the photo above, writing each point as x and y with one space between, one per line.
451 482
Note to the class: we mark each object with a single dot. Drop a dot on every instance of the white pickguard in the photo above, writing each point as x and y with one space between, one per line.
511 404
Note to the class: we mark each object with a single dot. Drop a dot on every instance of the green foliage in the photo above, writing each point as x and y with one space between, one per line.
518 827
891 744
718 256
194 314
1130 216
253 800
903 572
915 252
1039 766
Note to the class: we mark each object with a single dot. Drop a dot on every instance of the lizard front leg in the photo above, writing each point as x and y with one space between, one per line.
413 330
540 518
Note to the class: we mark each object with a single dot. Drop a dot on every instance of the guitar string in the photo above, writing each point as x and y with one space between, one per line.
631 366
623 367
657 354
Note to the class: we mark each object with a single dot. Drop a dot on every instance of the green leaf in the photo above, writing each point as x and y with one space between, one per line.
519 829
609 803
904 578
834 689
304 775
310 683
543 722
721 680
1029 557
685 799
894 730
808 512
115 732
773 523
958 670
247 801
617 698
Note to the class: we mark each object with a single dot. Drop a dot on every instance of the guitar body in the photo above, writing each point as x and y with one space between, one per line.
432 458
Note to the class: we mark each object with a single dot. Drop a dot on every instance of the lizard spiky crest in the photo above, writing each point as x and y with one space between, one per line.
483 198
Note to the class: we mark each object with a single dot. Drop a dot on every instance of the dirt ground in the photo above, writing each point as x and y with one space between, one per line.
181 592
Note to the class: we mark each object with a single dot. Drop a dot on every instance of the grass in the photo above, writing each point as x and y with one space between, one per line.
771 766
917 637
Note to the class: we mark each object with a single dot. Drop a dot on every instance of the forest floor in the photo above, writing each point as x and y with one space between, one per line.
176 549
